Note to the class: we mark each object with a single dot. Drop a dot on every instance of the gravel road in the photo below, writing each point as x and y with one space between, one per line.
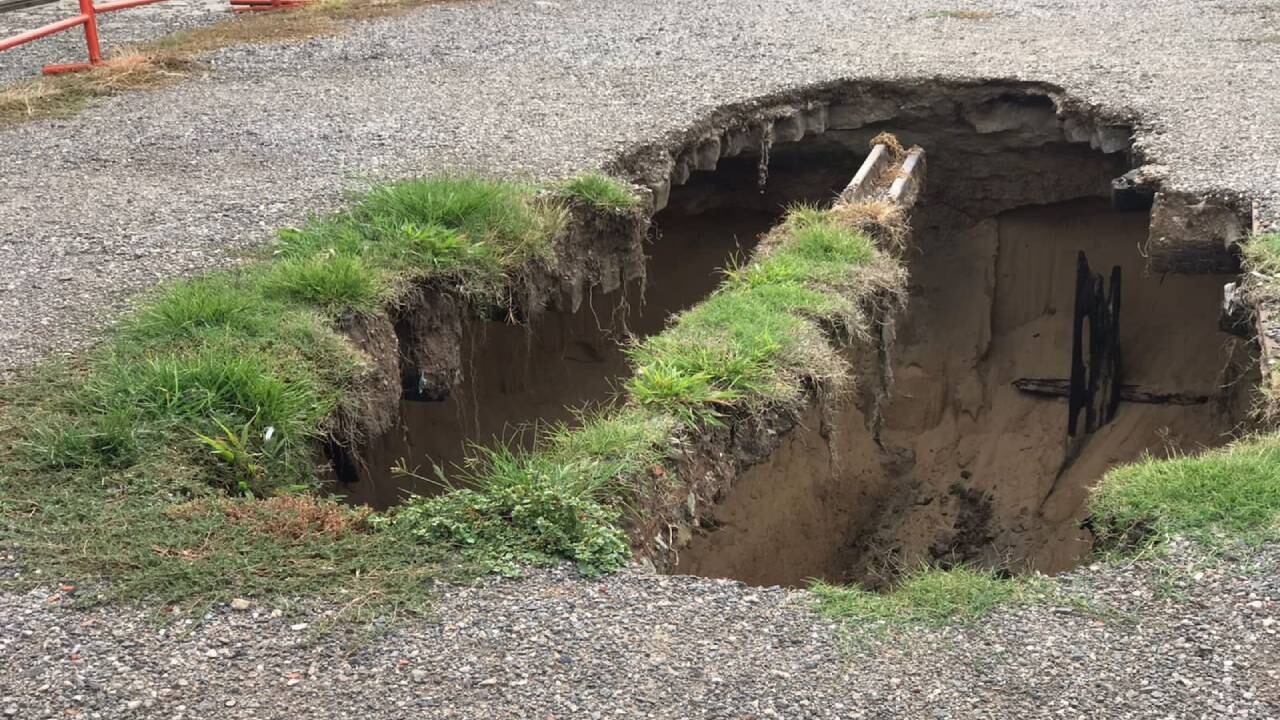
1203 643
146 186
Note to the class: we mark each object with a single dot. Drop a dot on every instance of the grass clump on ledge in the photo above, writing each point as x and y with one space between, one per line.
931 596
601 191
1231 494
562 501
764 333
1261 255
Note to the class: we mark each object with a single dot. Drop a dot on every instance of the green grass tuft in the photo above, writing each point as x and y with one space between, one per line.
335 283
478 233
757 339
1231 493
1262 254
601 191
186 309
928 596
561 501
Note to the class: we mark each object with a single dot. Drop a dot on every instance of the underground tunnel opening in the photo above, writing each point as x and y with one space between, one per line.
543 369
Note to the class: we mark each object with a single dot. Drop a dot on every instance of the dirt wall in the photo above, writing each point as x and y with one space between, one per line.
966 468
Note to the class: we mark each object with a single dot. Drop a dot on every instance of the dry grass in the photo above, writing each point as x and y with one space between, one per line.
1265 39
61 95
890 141
171 58
287 517
882 220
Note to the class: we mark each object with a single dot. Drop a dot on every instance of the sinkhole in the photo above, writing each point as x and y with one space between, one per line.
1031 252
518 372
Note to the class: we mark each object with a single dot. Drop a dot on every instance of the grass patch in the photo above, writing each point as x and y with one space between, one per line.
1262 285
178 459
334 282
929 596
764 334
151 536
1262 254
164 61
962 14
475 232
516 508
601 191
1229 494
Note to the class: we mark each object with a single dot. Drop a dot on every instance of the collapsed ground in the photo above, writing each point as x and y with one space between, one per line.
203 424
1241 468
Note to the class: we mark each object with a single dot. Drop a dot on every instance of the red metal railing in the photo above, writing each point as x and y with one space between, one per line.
88 17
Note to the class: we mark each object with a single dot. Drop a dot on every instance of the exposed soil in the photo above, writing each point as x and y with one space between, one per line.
954 464
966 468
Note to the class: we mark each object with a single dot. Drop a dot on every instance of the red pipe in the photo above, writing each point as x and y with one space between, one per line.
91 31
40 32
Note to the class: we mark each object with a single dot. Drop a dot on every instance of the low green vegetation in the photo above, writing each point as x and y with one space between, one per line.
601 191
1262 286
537 508
141 464
1226 495
763 333
927 596
472 232
1262 254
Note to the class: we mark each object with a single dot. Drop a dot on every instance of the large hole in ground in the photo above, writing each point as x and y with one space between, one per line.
957 465
517 375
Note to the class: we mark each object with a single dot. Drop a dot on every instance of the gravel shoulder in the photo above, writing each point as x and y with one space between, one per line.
146 186
1187 637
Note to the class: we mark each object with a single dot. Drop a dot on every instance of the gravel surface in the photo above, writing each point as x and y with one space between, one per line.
1201 642
149 185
